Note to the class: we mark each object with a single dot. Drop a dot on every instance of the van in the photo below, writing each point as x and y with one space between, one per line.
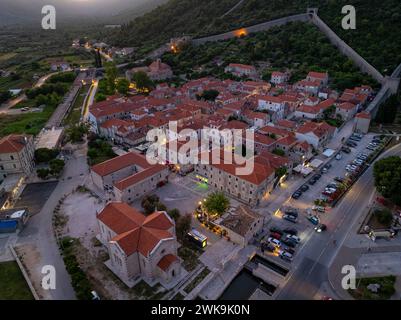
386 234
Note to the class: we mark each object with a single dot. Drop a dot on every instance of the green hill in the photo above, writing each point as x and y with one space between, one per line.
377 37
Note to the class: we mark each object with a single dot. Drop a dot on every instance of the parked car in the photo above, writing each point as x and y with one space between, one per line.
290 218
312 181
304 188
339 156
314 220
293 213
351 144
268 247
286 256
276 230
290 250
293 238
291 231
273 241
275 235
290 243
326 168
296 195
346 150
319 209
339 179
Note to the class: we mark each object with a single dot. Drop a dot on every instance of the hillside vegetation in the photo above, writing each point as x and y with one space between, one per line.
377 37
301 47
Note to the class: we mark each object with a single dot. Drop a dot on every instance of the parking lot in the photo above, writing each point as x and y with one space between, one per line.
304 223
35 195
337 169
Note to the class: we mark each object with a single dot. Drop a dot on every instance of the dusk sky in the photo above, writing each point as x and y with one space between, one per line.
70 6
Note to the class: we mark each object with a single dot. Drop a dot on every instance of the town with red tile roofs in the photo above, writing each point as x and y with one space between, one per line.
168 187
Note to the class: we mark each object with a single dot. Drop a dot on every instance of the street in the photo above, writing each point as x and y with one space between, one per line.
39 234
5 108
319 253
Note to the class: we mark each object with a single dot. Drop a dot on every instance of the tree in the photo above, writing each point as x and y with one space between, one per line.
150 203
4 96
385 217
174 214
76 132
122 86
209 95
329 112
281 172
142 81
43 173
98 58
387 111
183 226
387 174
216 203
278 152
56 166
111 76
100 97
45 155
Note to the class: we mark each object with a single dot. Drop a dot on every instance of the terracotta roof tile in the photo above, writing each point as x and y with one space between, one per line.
135 232
166 261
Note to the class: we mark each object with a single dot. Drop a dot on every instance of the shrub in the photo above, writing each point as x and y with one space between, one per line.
43 173
385 217
45 155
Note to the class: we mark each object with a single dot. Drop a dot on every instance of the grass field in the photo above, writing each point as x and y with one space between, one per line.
29 123
385 291
6 84
12 283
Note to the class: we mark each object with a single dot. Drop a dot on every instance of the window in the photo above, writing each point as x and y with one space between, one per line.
12 157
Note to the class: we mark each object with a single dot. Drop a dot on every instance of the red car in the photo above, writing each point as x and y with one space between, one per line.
275 235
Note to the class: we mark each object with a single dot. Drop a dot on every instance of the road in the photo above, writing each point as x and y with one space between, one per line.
6 106
90 98
39 231
319 253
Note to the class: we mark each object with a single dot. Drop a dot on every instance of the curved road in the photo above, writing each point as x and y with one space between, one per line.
6 106
320 252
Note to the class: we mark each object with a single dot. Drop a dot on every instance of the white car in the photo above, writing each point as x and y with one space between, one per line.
295 238
318 208
286 256
339 156
276 242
